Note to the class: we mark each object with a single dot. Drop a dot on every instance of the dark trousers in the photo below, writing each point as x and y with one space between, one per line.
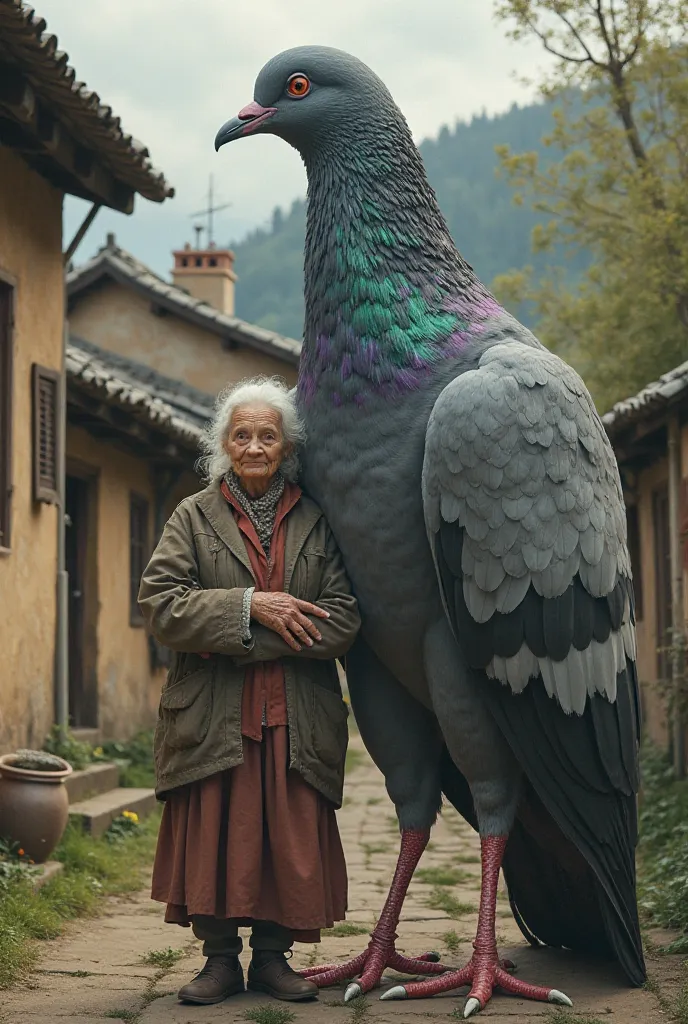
221 937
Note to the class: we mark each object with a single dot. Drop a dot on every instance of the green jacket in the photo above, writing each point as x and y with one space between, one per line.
191 597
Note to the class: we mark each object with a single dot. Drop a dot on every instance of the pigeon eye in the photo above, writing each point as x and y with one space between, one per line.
298 85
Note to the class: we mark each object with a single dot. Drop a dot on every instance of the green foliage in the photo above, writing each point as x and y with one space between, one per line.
344 929
269 1015
63 744
618 191
663 848
164 959
93 868
442 876
440 899
452 941
135 760
125 825
134 757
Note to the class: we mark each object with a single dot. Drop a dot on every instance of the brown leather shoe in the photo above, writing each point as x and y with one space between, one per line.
275 977
221 977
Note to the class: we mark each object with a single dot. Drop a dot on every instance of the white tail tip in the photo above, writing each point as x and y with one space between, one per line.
558 997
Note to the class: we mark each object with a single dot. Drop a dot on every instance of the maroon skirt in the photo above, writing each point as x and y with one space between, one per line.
255 843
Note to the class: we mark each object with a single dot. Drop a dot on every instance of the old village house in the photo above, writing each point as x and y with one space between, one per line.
145 361
56 138
649 433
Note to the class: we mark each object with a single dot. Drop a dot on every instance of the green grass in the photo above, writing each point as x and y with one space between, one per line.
452 941
663 847
442 876
440 899
163 959
93 869
467 858
371 848
269 1015
343 929
359 1009
561 1016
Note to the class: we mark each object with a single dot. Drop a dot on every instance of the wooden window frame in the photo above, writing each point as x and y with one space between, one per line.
7 284
137 501
42 493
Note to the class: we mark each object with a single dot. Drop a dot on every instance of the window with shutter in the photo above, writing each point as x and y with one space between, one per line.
46 433
138 553
6 344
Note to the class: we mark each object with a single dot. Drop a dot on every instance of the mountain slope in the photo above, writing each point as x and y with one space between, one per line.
492 233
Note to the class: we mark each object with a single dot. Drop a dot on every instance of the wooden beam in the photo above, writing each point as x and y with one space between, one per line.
43 133
16 94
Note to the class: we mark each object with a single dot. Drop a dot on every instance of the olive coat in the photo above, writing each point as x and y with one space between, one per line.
191 599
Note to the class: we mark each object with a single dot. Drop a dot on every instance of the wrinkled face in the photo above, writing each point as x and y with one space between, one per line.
255 444
306 94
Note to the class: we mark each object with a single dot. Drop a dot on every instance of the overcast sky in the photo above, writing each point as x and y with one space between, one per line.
175 70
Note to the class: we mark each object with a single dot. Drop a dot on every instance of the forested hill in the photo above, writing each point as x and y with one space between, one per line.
492 233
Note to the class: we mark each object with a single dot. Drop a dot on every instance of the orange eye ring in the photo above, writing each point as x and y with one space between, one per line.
298 86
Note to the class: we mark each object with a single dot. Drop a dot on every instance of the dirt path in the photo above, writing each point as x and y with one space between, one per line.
97 970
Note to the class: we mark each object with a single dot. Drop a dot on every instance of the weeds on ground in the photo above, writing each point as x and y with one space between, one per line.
343 929
93 868
452 941
163 959
440 899
467 858
269 1015
663 847
443 876
359 1009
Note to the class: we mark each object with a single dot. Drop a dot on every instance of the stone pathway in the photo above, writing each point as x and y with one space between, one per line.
98 970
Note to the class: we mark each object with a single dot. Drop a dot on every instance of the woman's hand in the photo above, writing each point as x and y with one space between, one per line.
288 616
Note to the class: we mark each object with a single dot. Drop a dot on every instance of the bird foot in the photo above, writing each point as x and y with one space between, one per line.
366 970
483 973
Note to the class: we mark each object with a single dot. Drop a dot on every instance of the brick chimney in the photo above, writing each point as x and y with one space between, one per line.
206 274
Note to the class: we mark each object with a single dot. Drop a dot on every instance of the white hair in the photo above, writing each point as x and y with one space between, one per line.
270 391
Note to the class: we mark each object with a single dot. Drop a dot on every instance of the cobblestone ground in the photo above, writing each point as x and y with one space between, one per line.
97 971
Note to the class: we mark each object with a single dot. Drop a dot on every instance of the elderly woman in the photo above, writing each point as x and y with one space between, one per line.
248 588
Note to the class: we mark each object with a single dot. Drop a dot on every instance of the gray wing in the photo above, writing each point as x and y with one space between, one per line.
526 521
525 513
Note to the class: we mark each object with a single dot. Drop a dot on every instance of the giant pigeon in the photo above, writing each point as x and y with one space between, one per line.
471 487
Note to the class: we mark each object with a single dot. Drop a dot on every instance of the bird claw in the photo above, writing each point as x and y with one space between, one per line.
472 1006
555 996
398 992
353 991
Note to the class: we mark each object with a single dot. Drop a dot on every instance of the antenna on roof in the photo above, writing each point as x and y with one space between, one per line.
209 213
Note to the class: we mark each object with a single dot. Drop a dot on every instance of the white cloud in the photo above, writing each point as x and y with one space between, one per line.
175 70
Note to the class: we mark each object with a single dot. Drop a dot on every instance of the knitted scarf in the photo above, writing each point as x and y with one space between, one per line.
261 511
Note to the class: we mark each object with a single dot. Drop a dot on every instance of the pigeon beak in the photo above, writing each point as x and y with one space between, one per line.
246 121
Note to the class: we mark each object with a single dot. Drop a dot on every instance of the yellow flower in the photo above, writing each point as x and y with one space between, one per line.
98 752
130 815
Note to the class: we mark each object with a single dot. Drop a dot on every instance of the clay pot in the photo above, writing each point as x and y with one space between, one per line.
34 806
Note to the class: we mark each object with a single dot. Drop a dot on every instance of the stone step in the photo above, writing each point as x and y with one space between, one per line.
97 778
98 812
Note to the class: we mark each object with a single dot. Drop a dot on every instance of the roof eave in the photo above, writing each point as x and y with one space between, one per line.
102 266
60 127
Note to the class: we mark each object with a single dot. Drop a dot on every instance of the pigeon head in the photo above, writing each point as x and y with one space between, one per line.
311 96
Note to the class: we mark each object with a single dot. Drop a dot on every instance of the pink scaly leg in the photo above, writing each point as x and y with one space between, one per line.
381 953
484 971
